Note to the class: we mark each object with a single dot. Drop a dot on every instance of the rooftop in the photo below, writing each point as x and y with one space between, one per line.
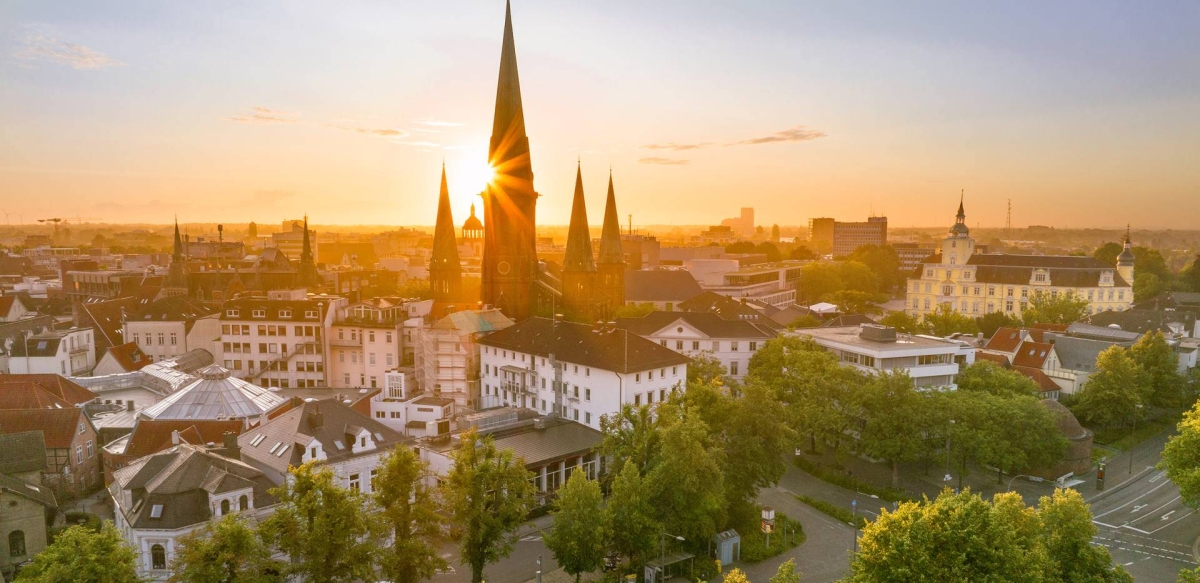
613 349
851 335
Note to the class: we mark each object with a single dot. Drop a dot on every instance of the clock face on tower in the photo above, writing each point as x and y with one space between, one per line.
503 267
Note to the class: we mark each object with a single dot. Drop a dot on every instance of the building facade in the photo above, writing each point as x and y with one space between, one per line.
932 363
850 236
278 341
61 352
170 327
694 334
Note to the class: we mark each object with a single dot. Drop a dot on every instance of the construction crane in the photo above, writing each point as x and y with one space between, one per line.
55 221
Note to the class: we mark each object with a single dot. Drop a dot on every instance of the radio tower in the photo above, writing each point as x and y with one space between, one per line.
1008 220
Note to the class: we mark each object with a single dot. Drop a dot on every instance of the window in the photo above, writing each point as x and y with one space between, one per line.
243 502
733 368
587 394
733 346
258 313
80 429
753 346
312 314
16 543
224 507
285 313
91 451
160 338
587 418
637 377
355 486
173 338
158 557
695 345
79 454
637 399
233 313
374 477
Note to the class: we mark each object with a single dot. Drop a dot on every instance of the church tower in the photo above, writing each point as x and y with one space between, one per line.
1125 260
176 283
579 267
509 202
445 271
610 265
306 275
958 246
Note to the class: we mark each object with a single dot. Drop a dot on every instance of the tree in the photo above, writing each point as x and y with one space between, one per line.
631 434
686 484
1108 252
805 321
926 542
814 388
883 261
857 276
580 529
1064 308
1189 278
415 288
1181 457
1114 392
633 310
802 253
1159 366
225 551
892 409
770 250
990 322
322 527
1019 433
740 247
944 321
904 323
786 573
735 576
856 302
410 515
1067 531
1189 576
818 280
489 494
80 554
631 515
1147 286
706 369
988 377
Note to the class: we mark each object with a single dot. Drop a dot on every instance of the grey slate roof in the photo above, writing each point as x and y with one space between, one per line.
616 350
35 492
660 285
180 480
709 324
1143 320
1003 268
298 427
556 441
1078 353
215 395
22 452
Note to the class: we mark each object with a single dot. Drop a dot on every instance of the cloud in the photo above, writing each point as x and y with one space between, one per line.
796 134
676 147
439 123
41 46
262 115
663 161
383 133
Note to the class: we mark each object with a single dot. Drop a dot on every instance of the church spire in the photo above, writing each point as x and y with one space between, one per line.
962 216
509 142
177 252
306 254
610 233
307 275
960 221
445 271
579 240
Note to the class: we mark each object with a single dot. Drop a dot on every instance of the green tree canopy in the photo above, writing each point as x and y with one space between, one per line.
786 573
1114 393
988 377
409 513
893 412
580 526
631 434
802 253
805 321
1067 531
904 323
1159 366
489 494
322 527
990 322
1181 457
686 484
80 554
883 262
856 302
945 321
631 515
1147 286
1064 308
224 551
1189 278
706 369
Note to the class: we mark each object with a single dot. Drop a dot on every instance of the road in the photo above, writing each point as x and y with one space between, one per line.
1141 519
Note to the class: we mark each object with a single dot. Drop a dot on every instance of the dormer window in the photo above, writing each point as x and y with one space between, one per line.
233 313
259 313
285 313
310 314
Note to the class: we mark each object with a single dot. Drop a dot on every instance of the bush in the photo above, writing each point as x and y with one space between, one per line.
838 478
837 512
75 517
754 542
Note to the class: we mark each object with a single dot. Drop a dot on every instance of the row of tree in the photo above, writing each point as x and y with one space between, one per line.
994 419
1042 308
1127 382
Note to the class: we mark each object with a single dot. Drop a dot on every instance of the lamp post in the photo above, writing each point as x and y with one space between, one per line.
948 478
662 542
1133 435
1014 478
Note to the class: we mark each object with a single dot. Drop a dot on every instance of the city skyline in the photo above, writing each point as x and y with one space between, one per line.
800 113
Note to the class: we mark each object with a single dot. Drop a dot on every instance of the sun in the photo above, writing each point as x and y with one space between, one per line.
468 174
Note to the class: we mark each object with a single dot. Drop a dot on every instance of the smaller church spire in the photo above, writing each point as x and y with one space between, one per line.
445 270
579 240
610 232
307 275
177 254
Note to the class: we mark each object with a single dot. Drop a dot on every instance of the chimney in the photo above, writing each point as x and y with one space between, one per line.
232 450
129 405
316 418
175 437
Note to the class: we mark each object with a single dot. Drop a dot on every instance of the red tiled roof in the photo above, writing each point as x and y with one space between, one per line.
1032 354
129 356
107 317
999 359
41 391
152 435
1004 340
6 303
1045 383
58 426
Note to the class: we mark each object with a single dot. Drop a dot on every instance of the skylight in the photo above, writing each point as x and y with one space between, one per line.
257 440
156 511
275 447
338 443
281 451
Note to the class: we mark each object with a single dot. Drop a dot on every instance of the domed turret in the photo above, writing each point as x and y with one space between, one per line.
1125 259
960 222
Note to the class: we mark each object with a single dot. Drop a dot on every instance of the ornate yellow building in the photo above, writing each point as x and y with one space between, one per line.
975 284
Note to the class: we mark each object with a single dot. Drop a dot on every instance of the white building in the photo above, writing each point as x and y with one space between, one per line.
448 360
420 416
216 395
975 284
371 337
769 283
164 496
61 352
351 444
598 370
931 362
13 309
731 342
278 341
170 327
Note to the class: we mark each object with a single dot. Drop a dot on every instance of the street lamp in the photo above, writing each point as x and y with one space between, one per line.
662 542
948 478
1132 436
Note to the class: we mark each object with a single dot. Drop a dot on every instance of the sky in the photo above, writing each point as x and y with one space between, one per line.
1083 114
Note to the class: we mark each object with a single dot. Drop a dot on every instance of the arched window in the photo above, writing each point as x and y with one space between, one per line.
243 502
16 543
224 507
158 557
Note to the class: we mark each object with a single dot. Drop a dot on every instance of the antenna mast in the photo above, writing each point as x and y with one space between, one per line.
1008 220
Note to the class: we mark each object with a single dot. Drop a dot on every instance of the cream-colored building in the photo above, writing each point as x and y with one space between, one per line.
975 284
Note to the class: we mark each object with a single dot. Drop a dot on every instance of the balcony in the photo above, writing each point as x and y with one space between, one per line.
344 343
